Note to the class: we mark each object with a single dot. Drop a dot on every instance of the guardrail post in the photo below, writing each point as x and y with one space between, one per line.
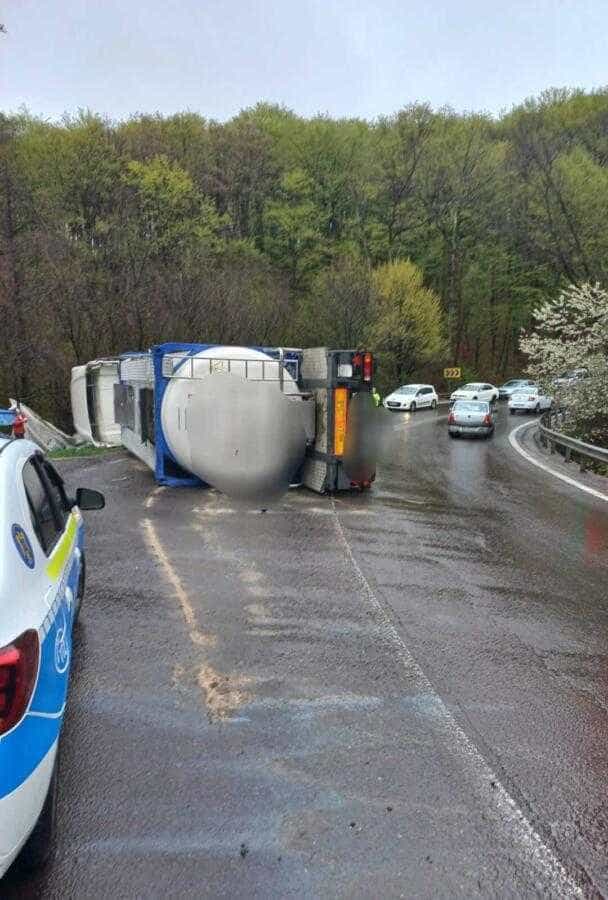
552 446
567 454
582 463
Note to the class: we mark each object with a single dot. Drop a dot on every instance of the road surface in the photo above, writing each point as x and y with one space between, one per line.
398 694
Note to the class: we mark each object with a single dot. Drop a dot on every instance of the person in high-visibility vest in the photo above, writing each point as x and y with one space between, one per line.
376 397
19 423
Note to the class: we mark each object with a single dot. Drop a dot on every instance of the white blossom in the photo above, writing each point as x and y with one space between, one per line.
569 333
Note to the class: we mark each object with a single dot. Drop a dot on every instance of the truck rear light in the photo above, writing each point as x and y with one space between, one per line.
340 414
18 674
368 366
451 419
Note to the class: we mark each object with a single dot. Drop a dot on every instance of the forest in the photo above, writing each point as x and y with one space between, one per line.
429 236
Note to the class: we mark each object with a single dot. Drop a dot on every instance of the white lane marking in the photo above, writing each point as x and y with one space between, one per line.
197 636
541 465
510 816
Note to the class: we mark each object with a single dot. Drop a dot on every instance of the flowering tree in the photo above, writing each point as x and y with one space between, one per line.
572 333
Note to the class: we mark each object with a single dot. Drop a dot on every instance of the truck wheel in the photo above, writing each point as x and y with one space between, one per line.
37 851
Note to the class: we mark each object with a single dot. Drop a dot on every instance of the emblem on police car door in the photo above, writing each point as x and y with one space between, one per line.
62 648
24 548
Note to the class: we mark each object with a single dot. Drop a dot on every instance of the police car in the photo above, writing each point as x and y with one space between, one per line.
42 577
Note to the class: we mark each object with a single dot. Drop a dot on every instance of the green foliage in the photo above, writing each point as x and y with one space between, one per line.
82 452
407 323
273 227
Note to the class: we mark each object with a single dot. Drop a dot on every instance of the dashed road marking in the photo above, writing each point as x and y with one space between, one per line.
196 635
541 465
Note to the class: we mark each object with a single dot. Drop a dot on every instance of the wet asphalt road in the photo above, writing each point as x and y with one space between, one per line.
398 694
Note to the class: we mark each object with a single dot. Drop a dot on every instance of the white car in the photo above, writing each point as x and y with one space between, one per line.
507 389
477 390
412 397
41 588
530 399
572 377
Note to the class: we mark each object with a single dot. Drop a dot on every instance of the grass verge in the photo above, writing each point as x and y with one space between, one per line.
82 451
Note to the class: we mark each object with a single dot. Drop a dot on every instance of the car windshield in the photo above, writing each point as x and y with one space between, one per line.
407 389
471 387
514 382
471 406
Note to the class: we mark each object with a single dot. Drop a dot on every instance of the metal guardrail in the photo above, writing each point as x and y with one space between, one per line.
553 439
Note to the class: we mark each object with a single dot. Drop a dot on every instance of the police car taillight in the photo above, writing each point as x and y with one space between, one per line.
18 673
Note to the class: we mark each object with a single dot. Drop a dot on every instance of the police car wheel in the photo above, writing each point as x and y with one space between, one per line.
39 846
81 588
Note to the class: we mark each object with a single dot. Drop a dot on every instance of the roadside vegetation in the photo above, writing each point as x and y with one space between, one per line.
570 334
83 451
428 235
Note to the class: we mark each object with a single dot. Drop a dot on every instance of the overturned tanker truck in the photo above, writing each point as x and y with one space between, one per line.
249 421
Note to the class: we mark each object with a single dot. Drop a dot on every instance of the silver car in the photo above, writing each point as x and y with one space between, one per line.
506 390
471 417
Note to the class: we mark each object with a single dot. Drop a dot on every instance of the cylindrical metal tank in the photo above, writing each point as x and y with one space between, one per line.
235 417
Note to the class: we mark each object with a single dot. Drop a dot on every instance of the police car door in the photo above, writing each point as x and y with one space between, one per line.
57 530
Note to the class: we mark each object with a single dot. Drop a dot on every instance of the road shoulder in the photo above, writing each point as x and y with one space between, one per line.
525 439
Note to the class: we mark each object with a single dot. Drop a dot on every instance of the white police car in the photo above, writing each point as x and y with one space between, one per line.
42 575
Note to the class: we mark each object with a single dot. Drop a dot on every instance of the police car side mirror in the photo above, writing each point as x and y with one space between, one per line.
89 499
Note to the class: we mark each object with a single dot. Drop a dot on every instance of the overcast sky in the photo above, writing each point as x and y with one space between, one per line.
343 57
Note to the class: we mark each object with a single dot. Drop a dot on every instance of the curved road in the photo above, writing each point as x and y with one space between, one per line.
397 694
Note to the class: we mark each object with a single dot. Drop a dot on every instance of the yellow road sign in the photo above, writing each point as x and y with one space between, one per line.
452 373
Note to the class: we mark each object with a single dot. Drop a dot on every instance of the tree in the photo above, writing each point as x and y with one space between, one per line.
407 322
338 309
293 229
572 332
